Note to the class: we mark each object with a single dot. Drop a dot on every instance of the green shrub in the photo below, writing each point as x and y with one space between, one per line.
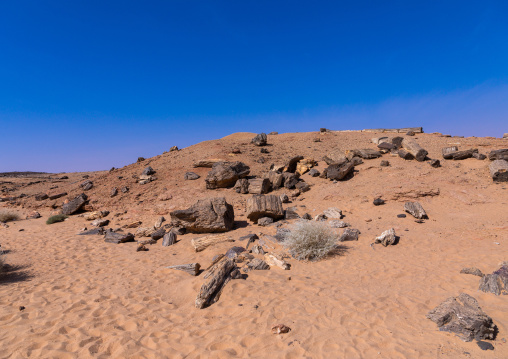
7 215
310 240
56 218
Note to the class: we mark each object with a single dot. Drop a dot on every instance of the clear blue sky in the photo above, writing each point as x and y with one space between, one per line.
87 85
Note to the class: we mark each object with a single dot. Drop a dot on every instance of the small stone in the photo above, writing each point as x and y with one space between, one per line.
402 215
314 172
191 176
349 234
378 202
265 221
485 345
284 198
384 163
174 148
141 248
435 163
264 150
21 308
280 329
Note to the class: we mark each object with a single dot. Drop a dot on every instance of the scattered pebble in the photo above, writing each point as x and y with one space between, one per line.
401 215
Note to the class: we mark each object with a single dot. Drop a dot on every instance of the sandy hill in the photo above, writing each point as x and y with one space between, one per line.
87 298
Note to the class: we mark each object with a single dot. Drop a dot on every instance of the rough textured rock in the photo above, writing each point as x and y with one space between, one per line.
365 153
96 215
192 268
158 234
290 213
284 198
201 243
499 170
435 163
190 176
75 205
415 209
87 185
333 213
256 264
405 154
290 180
259 185
242 186
463 316
173 148
211 290
98 230
414 148
304 165
378 202
114 192
479 156
384 163
260 139
448 152
496 282
225 174
100 222
339 172
169 239
148 171
499 154
387 238
58 195
335 157
233 252
207 163
259 206
265 221
205 216
276 178
314 172
473 271
337 224
33 215
113 237
350 234
41 197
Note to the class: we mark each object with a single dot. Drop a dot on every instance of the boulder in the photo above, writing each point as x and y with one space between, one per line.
276 178
463 316
499 170
499 154
386 238
75 205
259 185
259 206
260 139
148 171
191 176
225 174
87 185
169 239
302 186
290 180
496 282
350 234
292 163
209 215
113 237
339 172
335 157
242 186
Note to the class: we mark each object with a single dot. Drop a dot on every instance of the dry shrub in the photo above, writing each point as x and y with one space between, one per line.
56 218
310 240
7 215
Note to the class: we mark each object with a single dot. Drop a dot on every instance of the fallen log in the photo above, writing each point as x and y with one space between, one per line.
259 185
339 172
499 170
415 209
462 155
201 243
449 151
211 290
169 239
405 154
414 148
499 154
207 163
192 268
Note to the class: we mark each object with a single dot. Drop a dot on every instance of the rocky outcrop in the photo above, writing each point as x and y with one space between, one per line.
225 174
209 215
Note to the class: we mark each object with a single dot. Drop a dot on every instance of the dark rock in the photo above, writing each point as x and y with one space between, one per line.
463 316
114 192
148 171
260 139
209 215
284 198
339 172
169 239
33 215
356 161
41 197
265 221
499 154
264 150
307 217
125 189
98 230
314 172
242 186
225 174
249 237
350 234
74 205
402 215
233 252
302 186
236 151
405 154
473 271
58 195
261 160
290 213
397 142
64 177
292 163
259 206
113 237
290 180
479 156
386 146
191 176
496 283
236 274
140 159
484 345
435 163
158 234
334 223
322 129
258 185
378 202
384 163
87 185
256 264
173 149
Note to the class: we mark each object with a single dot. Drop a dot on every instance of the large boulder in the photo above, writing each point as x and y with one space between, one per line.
225 174
260 139
463 316
339 172
259 206
209 215
74 205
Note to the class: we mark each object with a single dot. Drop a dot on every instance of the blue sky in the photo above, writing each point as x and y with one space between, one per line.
87 85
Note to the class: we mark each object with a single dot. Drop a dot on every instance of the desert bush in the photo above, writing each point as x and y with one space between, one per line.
56 218
310 240
7 215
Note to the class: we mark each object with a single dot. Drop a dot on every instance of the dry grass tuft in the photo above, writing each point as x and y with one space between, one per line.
7 215
310 240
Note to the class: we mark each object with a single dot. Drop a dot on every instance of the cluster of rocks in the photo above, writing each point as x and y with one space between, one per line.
147 176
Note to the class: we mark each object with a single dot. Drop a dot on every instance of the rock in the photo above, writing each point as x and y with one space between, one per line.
322 129
256 264
302 186
484 345
386 238
290 180
259 250
96 215
233 252
499 154
282 234
100 222
463 316
290 213
98 230
499 170
41 197
448 152
402 215
260 139
410 133
414 148
378 202
435 163
273 133
141 248
314 172
33 215
339 172
75 205
192 268
135 224
307 217
206 216
355 161
272 261
337 224
259 206
140 159
335 157
333 213
365 153
158 222
505 135
264 150
251 237
265 221
473 271
479 156
242 186
386 146
169 239
225 174
87 185
305 165
281 329
158 234
113 237
190 176
259 185
114 192
145 231
384 163
148 171
125 189
284 198
415 209
349 234
405 154
58 195
276 178
207 163
496 283
173 148
236 151
292 163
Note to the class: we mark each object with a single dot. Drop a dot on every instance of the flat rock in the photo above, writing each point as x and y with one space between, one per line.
75 205
190 176
209 215
113 237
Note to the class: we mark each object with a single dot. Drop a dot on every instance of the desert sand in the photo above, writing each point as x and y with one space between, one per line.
85 298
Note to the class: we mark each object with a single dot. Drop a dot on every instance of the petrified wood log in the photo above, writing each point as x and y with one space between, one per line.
339 172
349 234
499 154
205 216
169 239
496 282
256 264
274 261
415 209
290 179
463 316
192 269
291 164
405 154
74 205
462 155
499 170
112 237
259 185
56 196
207 163
414 148
259 206
202 243
225 174
242 186
365 153
275 179
396 130
211 290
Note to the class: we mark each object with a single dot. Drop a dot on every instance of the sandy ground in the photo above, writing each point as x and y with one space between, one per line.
85 298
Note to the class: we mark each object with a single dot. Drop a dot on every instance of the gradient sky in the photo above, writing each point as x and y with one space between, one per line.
88 85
